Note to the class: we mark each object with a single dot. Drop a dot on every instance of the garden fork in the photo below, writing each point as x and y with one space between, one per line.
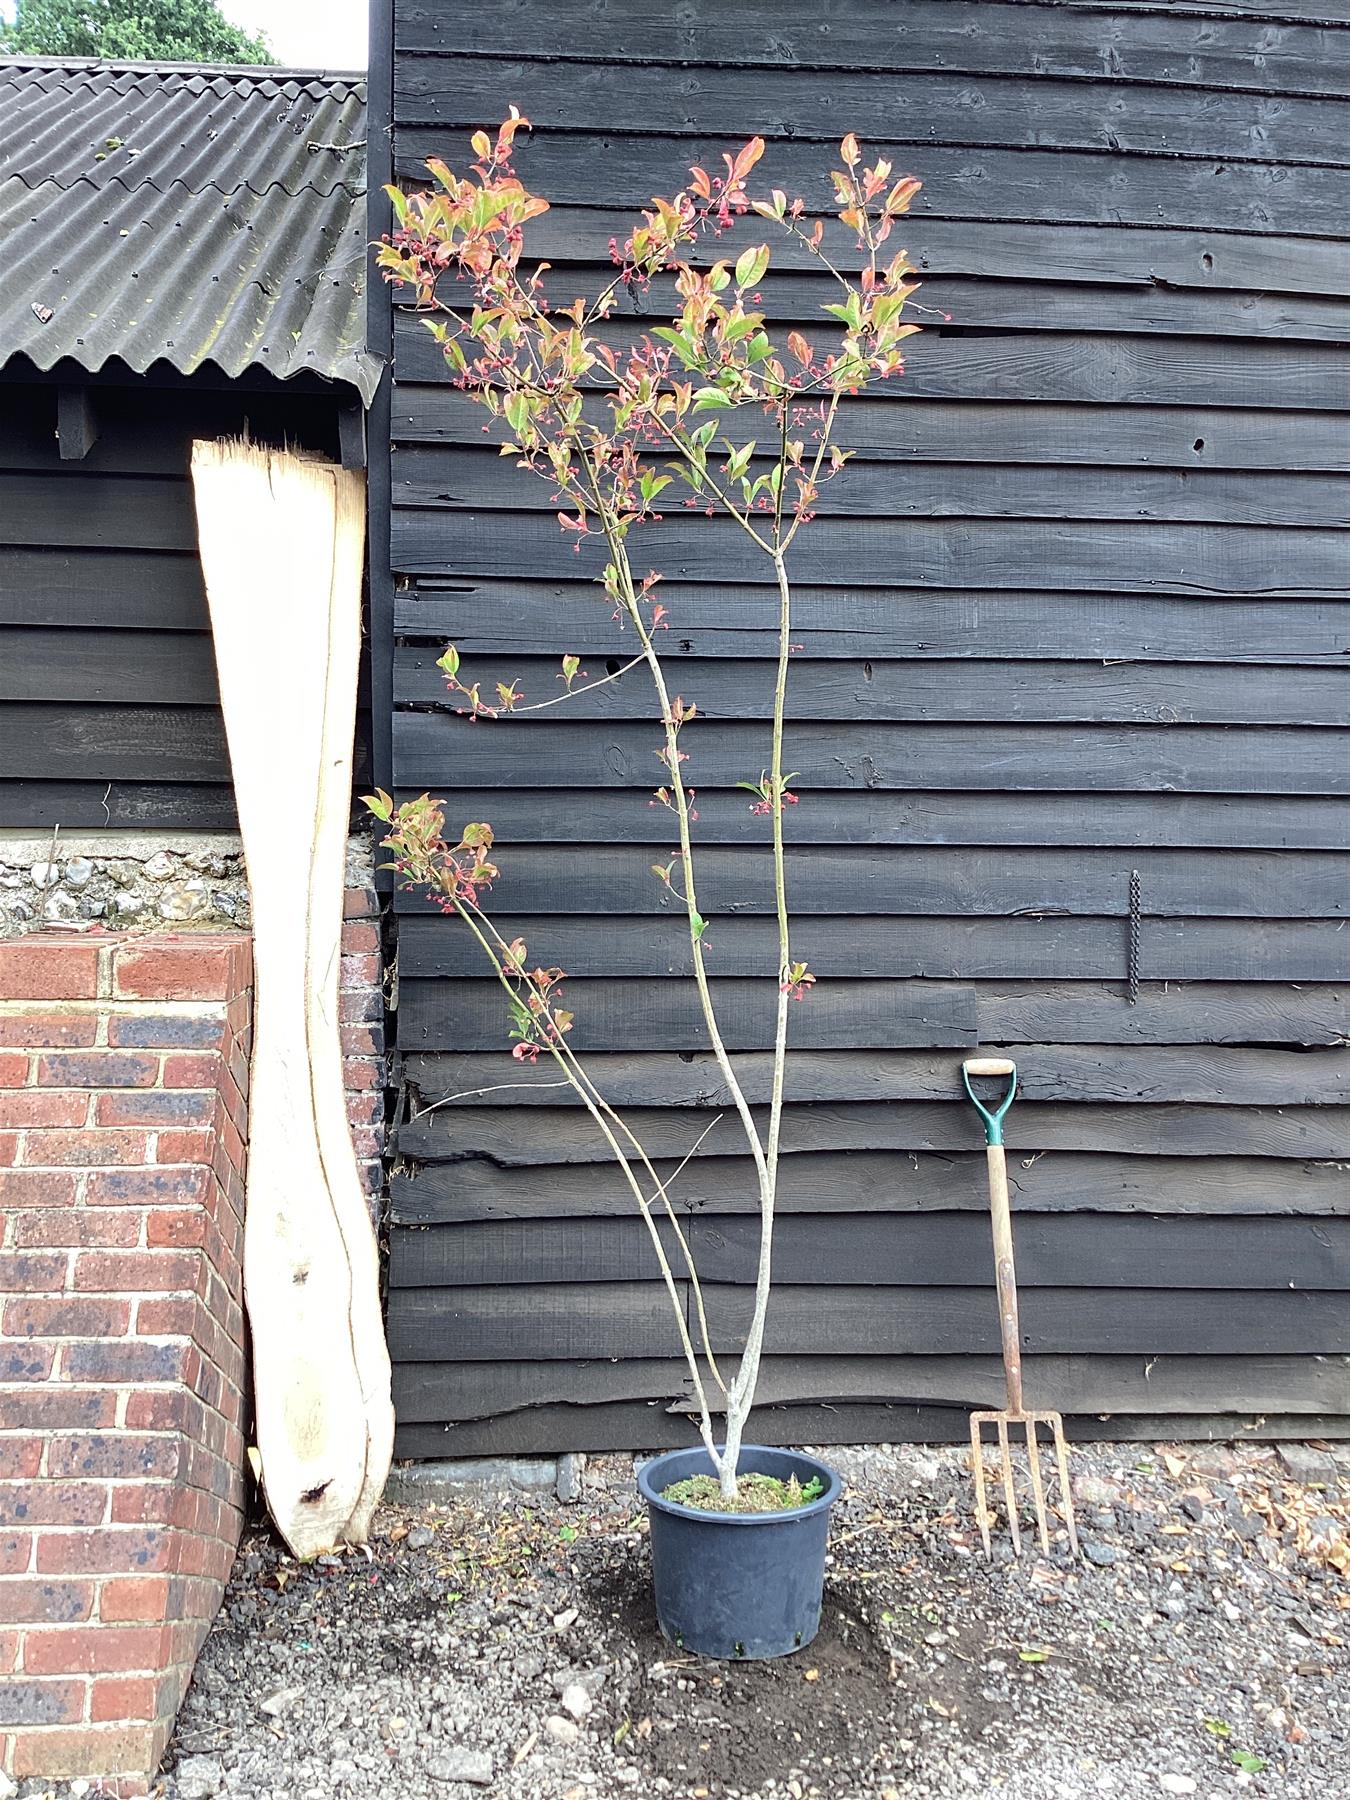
1005 1273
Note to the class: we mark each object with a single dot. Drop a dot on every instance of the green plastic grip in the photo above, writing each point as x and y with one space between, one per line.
993 1119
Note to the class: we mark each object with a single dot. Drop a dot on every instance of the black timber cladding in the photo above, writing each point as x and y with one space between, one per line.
1082 609
109 711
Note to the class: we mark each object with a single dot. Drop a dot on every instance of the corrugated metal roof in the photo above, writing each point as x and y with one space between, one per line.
170 212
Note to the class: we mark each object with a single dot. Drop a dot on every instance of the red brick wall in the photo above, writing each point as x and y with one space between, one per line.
362 1015
123 1126
123 1082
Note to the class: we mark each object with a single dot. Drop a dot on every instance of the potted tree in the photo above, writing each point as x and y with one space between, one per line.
710 408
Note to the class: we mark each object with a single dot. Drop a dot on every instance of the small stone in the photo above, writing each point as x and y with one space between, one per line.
1097 1490
1103 1555
473 1766
1176 1784
1193 1507
8 1788
565 1731
576 1700
1314 1468
160 867
79 871
60 909
278 1704
571 1472
562 1620
420 1537
184 900
44 875
199 1777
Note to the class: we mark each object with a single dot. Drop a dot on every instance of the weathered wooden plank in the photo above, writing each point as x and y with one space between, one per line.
453 478
860 1015
997 431
855 946
641 1425
77 804
855 1181
453 1393
974 690
1073 368
555 1134
960 302
71 509
1132 821
465 1015
585 1319
888 1249
928 107
1035 554
966 38
485 618
113 743
431 748
129 589
977 239
1190 1013
45 664
617 878
1095 1073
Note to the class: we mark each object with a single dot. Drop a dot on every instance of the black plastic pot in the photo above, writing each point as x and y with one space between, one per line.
738 1585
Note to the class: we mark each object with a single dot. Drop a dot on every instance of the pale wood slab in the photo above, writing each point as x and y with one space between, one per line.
281 542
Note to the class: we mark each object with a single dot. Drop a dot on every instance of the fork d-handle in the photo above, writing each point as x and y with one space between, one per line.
1000 1215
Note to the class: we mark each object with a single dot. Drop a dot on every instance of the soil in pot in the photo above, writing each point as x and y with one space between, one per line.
754 1494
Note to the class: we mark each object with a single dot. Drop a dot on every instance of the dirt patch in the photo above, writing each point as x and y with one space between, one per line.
821 1715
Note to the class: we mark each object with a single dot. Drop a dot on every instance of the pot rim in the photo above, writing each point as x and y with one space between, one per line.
834 1487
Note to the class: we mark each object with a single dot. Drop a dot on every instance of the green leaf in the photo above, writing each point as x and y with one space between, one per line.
1218 1728
739 460
751 264
698 925
379 805
569 1534
1033 1656
1244 1759
709 399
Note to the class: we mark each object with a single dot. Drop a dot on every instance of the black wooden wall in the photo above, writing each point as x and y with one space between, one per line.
1081 610
109 713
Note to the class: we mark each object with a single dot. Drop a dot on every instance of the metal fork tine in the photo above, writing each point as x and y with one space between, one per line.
1062 1459
981 1498
1037 1486
1005 1456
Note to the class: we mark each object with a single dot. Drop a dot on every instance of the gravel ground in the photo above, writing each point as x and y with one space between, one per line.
505 1646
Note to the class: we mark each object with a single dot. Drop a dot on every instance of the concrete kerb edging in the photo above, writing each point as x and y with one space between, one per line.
425 1483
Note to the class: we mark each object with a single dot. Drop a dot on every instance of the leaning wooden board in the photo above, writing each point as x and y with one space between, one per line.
282 543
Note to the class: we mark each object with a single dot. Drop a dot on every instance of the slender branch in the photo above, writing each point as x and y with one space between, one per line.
663 1262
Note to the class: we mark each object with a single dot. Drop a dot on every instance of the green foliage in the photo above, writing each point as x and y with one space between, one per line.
755 1494
131 31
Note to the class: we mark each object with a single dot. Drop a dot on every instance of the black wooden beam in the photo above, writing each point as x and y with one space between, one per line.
76 423
352 436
